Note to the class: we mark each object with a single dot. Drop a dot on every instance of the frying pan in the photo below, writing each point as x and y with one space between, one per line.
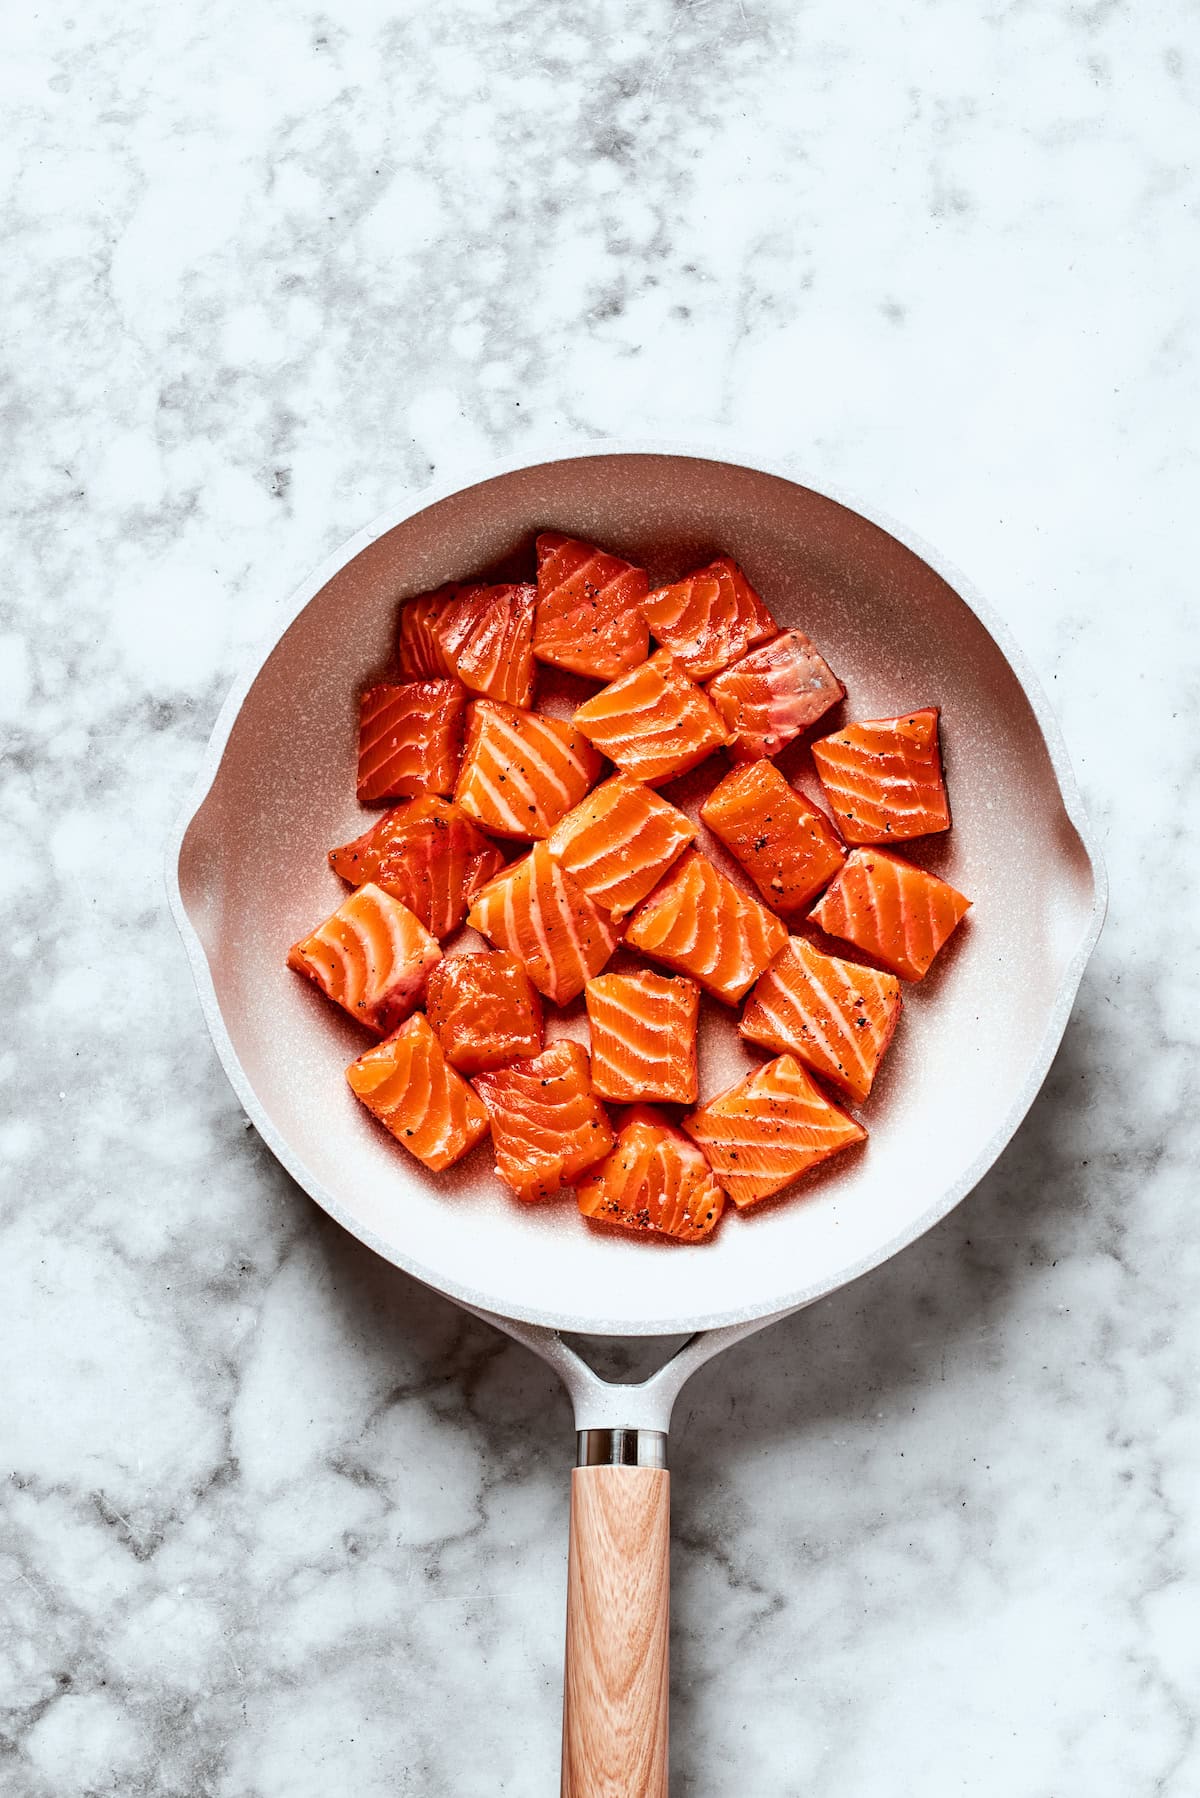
247 876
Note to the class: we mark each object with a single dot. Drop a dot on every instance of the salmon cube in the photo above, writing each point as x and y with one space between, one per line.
426 853
883 779
770 1128
407 1083
484 1009
619 842
486 637
535 910
709 619
773 695
409 738
521 772
786 844
547 1124
654 723
892 910
643 1031
699 923
587 609
417 648
372 957
833 1015
653 1182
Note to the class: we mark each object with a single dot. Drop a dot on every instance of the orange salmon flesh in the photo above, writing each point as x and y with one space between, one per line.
654 723
417 646
709 619
372 957
896 912
521 773
653 1182
643 1032
535 910
407 1083
486 638
485 1010
697 922
834 1016
884 779
551 839
426 853
774 694
769 1129
409 739
547 1124
620 841
587 609
786 844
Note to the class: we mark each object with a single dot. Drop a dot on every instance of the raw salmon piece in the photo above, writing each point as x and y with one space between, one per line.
899 914
833 1015
769 1129
417 646
426 853
654 723
372 957
699 923
547 1124
653 1182
536 911
408 739
407 1083
520 772
619 842
708 619
883 779
486 637
587 609
786 844
774 694
643 1030
484 1010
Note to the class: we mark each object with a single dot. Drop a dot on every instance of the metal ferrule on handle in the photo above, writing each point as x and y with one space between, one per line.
621 1448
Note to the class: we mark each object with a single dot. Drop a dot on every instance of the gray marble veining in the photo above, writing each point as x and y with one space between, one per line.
273 1519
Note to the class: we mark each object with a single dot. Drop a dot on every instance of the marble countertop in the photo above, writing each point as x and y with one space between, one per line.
275 1520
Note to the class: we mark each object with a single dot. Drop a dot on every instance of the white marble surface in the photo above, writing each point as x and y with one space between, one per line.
275 1521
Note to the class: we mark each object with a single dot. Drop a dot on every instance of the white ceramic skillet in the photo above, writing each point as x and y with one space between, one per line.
248 875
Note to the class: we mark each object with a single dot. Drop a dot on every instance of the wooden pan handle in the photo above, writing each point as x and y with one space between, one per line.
618 1582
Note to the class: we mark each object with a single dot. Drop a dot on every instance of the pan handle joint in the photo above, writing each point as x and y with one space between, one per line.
621 1448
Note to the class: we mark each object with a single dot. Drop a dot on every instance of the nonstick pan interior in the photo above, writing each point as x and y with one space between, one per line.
975 1038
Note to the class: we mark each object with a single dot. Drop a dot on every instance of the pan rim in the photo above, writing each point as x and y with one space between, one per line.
723 453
